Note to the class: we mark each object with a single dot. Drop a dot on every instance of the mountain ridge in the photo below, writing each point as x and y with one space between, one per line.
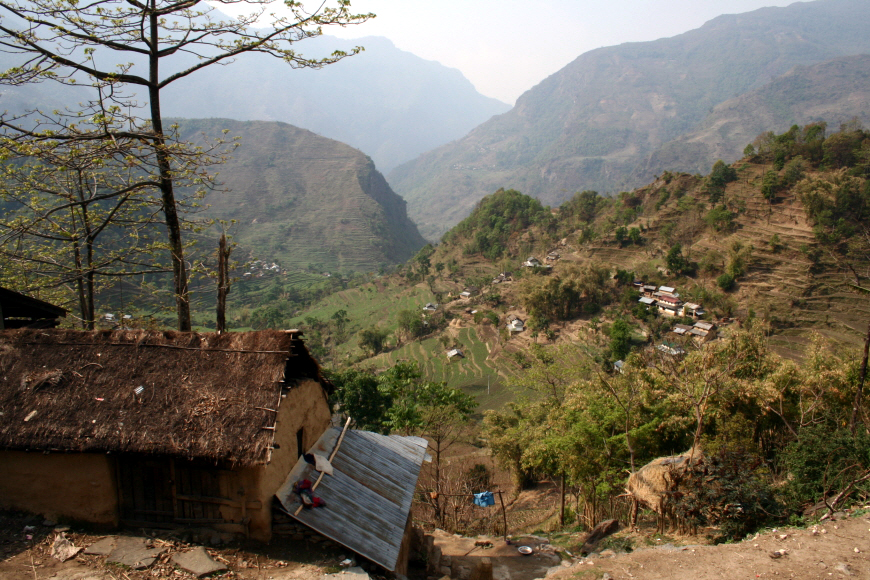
591 124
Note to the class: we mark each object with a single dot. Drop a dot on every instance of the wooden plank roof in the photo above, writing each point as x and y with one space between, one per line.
368 496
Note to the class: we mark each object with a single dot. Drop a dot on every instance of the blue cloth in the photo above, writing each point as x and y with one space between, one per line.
484 499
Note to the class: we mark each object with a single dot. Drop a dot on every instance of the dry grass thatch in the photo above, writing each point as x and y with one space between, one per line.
652 483
204 396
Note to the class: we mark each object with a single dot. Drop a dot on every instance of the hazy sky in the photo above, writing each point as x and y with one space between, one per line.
505 47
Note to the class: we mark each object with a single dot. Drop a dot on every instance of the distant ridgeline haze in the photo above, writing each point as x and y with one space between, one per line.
617 116
305 201
390 104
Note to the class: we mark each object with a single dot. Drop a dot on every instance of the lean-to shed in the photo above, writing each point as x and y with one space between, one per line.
157 429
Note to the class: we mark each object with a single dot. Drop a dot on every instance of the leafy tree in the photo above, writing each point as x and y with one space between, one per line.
720 219
634 236
115 44
363 396
770 185
566 294
725 281
372 340
620 339
74 218
677 262
720 175
621 234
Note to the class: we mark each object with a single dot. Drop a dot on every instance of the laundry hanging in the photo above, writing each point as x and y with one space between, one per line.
484 499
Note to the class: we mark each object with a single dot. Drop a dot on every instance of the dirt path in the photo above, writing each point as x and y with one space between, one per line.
834 550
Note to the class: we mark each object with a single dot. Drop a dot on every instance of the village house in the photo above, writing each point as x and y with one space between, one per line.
515 325
703 331
455 353
669 305
430 307
168 429
693 310
648 290
532 262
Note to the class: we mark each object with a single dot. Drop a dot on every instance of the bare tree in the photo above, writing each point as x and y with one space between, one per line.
149 44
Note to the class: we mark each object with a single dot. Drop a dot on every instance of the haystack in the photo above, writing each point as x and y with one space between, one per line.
651 484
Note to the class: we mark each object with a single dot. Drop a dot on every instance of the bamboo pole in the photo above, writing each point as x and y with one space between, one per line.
331 457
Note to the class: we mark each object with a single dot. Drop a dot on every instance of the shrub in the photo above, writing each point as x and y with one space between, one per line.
730 489
725 281
823 462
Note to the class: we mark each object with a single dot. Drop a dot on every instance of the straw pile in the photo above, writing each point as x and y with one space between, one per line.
652 483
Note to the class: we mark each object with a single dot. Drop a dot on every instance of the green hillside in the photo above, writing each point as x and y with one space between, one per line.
306 202
792 241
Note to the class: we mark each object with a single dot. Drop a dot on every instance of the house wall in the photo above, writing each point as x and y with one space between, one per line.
305 406
74 486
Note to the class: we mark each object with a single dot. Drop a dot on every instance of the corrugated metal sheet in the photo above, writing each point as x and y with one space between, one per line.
368 497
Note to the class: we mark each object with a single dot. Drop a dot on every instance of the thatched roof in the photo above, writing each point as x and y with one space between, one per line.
18 310
204 396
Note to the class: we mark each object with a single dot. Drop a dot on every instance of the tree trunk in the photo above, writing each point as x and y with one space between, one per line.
223 284
562 504
167 195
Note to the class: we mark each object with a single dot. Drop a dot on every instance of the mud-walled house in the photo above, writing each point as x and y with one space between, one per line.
157 429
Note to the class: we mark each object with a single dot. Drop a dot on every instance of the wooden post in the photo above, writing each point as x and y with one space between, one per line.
223 283
503 514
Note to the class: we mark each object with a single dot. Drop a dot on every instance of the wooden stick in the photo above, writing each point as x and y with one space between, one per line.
331 457
503 514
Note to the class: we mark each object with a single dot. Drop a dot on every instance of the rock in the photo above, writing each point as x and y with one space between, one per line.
62 549
606 553
844 569
446 561
355 573
434 560
215 539
607 576
197 562
102 547
598 533
778 554
49 523
132 551
482 570
463 573
61 529
243 564
445 570
553 570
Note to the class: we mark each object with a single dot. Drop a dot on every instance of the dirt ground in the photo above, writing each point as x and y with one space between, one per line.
832 549
838 549
23 558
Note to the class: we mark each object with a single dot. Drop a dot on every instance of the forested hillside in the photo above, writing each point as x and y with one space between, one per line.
595 123
306 202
